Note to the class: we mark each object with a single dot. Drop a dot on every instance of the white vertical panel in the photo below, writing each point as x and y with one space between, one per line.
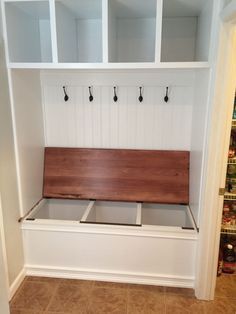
105 117
79 116
96 118
60 117
131 127
88 115
114 119
127 123
66 32
123 116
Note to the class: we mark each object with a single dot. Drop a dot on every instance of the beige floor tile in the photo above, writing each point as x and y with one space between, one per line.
180 291
42 279
33 296
86 284
177 304
221 306
226 286
156 289
70 298
22 311
145 302
105 300
110 285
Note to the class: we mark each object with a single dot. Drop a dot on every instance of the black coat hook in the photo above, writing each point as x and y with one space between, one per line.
166 98
115 98
66 97
90 94
140 94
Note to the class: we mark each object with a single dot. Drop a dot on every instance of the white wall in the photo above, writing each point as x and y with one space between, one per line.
66 34
112 49
29 134
178 39
135 40
152 124
89 40
23 36
204 32
8 178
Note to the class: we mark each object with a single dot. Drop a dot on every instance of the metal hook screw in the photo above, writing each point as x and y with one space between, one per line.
90 94
166 98
140 94
66 97
115 98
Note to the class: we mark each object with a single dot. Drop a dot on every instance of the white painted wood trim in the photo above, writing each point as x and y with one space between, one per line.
52 10
159 11
76 227
105 38
209 235
190 215
15 139
110 66
11 96
3 240
3 256
106 275
139 214
4 27
87 211
16 284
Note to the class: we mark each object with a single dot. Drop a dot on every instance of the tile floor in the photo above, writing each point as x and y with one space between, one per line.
39 295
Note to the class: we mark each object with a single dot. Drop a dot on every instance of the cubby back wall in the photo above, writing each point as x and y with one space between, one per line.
127 123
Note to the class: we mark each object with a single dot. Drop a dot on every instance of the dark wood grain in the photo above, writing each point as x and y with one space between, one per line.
117 175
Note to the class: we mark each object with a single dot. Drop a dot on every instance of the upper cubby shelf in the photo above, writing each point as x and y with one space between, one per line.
28 31
132 30
79 30
186 30
107 34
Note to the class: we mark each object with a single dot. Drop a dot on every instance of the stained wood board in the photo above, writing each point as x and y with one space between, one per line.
158 176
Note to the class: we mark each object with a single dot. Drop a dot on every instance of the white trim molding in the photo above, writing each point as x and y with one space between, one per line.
16 284
106 275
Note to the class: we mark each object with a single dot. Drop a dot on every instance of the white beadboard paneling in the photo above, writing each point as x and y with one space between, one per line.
60 122
127 123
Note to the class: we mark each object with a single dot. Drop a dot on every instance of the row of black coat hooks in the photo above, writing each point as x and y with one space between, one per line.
115 97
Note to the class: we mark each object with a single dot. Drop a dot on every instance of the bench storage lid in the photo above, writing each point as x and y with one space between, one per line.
117 175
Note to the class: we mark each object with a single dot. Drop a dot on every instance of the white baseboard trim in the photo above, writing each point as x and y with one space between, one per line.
16 284
101 275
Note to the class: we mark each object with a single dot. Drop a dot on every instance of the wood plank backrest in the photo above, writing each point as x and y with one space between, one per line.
117 175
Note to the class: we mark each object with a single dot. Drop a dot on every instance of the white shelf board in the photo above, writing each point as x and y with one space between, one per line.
110 66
